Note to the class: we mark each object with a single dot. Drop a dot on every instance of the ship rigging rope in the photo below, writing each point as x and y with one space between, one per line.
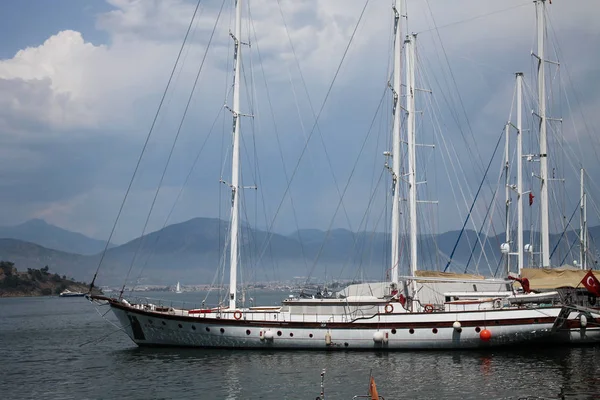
362 225
365 216
312 111
491 209
103 316
565 231
449 151
476 17
183 186
487 213
569 251
280 148
164 95
312 131
473 155
473 203
171 150
339 204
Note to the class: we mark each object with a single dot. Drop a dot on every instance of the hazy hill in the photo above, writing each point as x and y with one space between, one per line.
190 252
40 232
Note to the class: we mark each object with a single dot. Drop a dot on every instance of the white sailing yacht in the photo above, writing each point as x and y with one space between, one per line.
402 314
178 288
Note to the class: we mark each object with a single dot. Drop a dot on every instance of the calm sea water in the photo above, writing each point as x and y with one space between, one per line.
62 348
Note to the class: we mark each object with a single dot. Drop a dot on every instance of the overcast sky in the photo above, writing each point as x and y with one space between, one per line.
80 82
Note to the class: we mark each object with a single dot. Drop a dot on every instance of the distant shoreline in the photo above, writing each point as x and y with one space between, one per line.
36 282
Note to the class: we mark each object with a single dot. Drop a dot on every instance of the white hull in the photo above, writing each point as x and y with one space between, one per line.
382 331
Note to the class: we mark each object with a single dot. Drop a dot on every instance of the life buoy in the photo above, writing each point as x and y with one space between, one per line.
237 315
497 303
428 308
389 308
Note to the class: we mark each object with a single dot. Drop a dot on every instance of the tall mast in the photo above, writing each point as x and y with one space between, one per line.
409 46
235 158
541 27
519 172
506 246
396 139
583 226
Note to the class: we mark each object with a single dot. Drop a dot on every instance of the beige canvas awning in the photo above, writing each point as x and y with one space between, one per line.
446 275
554 278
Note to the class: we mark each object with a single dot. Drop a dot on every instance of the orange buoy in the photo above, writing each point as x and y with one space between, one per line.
485 335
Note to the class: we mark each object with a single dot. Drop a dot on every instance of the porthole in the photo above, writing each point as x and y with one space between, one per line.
278 333
207 329
193 328
346 344
310 335
393 331
411 331
164 323
434 330
179 325
477 329
222 330
248 331
291 334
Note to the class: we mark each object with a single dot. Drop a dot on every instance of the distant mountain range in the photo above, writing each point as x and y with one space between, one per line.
40 232
190 252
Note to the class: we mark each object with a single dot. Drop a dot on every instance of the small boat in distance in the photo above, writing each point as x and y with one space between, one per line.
68 293
178 288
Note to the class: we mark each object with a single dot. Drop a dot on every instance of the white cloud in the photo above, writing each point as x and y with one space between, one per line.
68 85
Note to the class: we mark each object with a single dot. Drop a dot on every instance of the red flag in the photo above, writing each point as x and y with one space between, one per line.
591 283
531 196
